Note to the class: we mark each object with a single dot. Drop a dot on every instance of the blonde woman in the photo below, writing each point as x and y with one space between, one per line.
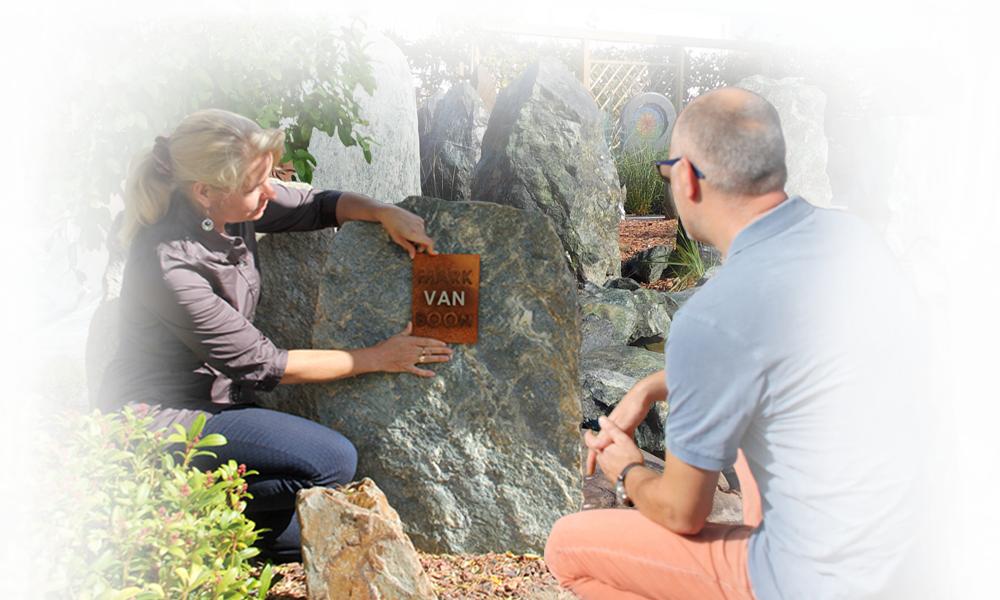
192 283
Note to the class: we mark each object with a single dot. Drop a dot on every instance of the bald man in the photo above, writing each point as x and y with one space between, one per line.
796 362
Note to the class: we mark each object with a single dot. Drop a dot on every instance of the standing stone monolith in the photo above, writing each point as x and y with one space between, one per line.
899 181
484 457
544 150
391 112
452 144
801 108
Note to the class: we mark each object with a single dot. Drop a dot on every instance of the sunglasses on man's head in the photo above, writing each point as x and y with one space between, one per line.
663 167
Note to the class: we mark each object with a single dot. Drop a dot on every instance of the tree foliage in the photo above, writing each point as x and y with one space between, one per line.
132 83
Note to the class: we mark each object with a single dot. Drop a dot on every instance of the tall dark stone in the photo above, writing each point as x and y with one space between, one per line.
451 145
544 150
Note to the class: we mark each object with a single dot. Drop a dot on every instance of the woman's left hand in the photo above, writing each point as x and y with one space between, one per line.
407 230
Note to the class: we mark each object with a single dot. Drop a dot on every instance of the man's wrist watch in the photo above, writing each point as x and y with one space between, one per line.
620 493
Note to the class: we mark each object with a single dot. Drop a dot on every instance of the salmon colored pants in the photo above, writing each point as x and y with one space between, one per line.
620 554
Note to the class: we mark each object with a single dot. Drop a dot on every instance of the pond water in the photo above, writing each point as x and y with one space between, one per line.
969 342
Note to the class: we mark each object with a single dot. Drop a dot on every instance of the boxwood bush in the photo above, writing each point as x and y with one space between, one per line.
124 515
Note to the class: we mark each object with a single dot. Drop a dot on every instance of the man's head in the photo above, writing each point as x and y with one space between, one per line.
729 164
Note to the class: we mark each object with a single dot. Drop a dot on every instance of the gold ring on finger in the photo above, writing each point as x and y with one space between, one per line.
421 359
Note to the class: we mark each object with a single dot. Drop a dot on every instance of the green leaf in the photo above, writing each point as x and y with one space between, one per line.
127 593
212 439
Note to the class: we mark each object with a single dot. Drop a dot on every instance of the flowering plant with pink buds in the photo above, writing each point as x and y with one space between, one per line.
125 516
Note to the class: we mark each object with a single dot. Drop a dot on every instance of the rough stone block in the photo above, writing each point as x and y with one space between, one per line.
544 150
354 548
483 457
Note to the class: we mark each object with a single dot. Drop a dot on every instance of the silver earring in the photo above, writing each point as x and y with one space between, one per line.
208 224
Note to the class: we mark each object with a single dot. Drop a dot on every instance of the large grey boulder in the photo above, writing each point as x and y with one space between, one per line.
982 462
544 150
483 457
391 112
634 315
606 374
801 108
899 181
977 280
451 146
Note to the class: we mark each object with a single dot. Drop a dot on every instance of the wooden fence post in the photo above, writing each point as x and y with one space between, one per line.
679 87
977 117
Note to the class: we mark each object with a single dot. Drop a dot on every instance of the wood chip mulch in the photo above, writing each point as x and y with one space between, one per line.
456 577
636 234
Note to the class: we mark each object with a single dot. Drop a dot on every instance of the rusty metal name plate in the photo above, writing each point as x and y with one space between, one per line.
446 297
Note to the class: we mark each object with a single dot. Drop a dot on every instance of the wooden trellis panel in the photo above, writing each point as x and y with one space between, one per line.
614 82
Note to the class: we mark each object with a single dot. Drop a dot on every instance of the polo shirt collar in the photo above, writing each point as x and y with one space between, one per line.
771 223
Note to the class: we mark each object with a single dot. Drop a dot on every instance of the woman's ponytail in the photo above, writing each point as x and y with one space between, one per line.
147 194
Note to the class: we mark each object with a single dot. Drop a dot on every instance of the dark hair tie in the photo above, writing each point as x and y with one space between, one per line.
161 154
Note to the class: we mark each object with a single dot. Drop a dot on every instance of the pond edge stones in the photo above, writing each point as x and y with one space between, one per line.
483 457
544 150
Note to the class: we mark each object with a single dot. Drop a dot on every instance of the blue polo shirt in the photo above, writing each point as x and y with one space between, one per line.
802 351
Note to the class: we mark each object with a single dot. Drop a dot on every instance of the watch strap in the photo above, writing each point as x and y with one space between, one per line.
620 487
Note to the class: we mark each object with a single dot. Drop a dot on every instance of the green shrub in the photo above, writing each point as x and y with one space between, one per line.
121 518
8 375
685 261
643 186
60 379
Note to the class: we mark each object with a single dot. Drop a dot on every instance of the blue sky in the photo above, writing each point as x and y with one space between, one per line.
873 23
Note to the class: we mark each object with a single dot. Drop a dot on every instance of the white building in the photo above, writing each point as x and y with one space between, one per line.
415 18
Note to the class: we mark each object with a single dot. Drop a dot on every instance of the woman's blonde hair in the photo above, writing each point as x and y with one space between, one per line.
211 146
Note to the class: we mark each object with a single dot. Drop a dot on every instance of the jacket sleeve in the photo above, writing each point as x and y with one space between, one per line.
182 298
296 209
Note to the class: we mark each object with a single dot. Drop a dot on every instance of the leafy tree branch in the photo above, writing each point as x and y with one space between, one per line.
132 83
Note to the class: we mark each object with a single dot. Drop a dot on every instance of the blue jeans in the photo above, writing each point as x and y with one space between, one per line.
289 453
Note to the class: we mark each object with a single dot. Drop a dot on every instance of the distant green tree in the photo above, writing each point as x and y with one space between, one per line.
136 81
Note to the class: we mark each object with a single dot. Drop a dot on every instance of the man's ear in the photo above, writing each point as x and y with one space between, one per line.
687 182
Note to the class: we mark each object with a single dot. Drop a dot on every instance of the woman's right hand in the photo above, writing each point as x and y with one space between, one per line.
405 353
